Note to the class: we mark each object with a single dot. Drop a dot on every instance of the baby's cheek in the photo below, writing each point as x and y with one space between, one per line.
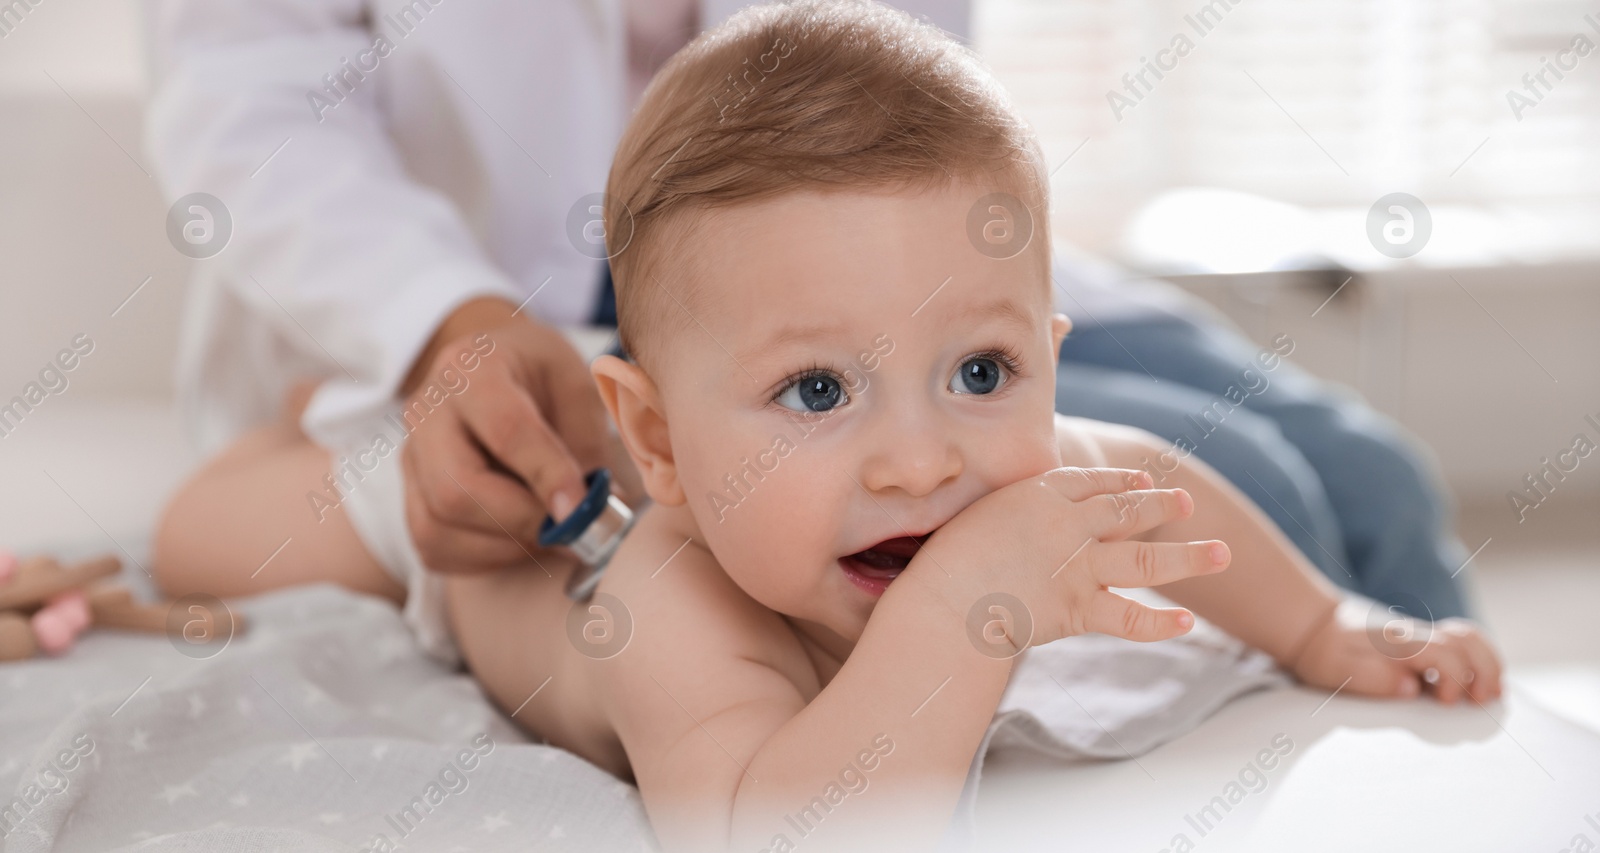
771 570
790 531
1031 454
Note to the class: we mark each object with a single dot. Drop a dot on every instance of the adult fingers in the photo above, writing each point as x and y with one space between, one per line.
460 489
1117 616
449 548
513 430
1078 484
1143 564
573 408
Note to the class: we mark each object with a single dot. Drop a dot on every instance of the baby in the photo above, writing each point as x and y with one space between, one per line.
840 398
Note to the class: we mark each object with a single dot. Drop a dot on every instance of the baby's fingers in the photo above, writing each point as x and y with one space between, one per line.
1121 617
1143 564
1078 484
1445 670
1485 667
1125 514
1373 675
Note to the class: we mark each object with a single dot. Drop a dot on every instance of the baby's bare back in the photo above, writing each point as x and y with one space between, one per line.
511 626
549 661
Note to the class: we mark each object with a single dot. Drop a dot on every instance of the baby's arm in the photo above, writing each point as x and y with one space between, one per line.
1272 597
734 741
1266 568
718 706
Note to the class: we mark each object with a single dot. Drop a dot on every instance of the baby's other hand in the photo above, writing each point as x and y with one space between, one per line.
1383 652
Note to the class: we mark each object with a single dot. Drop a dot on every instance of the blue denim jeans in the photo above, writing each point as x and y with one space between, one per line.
1343 482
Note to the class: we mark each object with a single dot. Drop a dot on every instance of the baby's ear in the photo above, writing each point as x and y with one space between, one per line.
636 408
1060 325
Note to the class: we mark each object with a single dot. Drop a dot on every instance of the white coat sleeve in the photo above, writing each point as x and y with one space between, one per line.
333 245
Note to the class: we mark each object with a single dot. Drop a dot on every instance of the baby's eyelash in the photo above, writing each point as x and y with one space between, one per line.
816 368
1008 358
1004 354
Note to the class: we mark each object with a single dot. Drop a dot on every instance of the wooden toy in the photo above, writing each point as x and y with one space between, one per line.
45 606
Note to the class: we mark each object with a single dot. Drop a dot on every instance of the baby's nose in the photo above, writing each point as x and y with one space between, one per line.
914 456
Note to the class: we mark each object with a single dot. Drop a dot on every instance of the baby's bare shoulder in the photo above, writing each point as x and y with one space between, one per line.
701 653
684 610
1089 443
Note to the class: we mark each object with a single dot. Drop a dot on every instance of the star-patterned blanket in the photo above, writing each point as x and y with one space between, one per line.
321 728
325 727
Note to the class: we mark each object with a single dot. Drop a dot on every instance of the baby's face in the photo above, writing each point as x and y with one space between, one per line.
855 372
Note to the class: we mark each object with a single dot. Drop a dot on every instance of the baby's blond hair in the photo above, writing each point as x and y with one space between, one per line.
806 95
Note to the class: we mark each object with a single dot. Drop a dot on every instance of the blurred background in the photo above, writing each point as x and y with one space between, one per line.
1244 171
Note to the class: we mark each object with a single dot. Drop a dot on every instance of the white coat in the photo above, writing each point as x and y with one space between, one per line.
382 161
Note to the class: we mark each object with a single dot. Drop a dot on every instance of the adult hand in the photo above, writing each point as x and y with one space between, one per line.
505 420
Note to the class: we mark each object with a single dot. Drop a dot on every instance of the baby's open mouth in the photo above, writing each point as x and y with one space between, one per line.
874 568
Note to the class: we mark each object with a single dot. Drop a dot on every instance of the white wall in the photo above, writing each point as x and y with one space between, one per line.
81 222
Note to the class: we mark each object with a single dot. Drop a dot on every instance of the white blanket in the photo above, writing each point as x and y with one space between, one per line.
1095 697
324 727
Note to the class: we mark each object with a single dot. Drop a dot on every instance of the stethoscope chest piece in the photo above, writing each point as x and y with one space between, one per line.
593 531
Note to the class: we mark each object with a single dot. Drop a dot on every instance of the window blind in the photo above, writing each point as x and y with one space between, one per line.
1322 103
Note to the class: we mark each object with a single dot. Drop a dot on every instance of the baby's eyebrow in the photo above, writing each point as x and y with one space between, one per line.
1001 309
796 334
767 346
995 309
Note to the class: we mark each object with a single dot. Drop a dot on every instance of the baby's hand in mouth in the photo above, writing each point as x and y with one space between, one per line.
1044 551
874 568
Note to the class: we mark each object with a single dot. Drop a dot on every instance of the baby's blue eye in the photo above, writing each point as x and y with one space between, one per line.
978 375
818 392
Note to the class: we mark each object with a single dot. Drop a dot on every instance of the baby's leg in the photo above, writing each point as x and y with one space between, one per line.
243 524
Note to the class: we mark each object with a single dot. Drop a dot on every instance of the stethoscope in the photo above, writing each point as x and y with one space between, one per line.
593 531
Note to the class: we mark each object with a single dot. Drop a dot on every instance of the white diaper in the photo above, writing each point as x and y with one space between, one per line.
377 510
